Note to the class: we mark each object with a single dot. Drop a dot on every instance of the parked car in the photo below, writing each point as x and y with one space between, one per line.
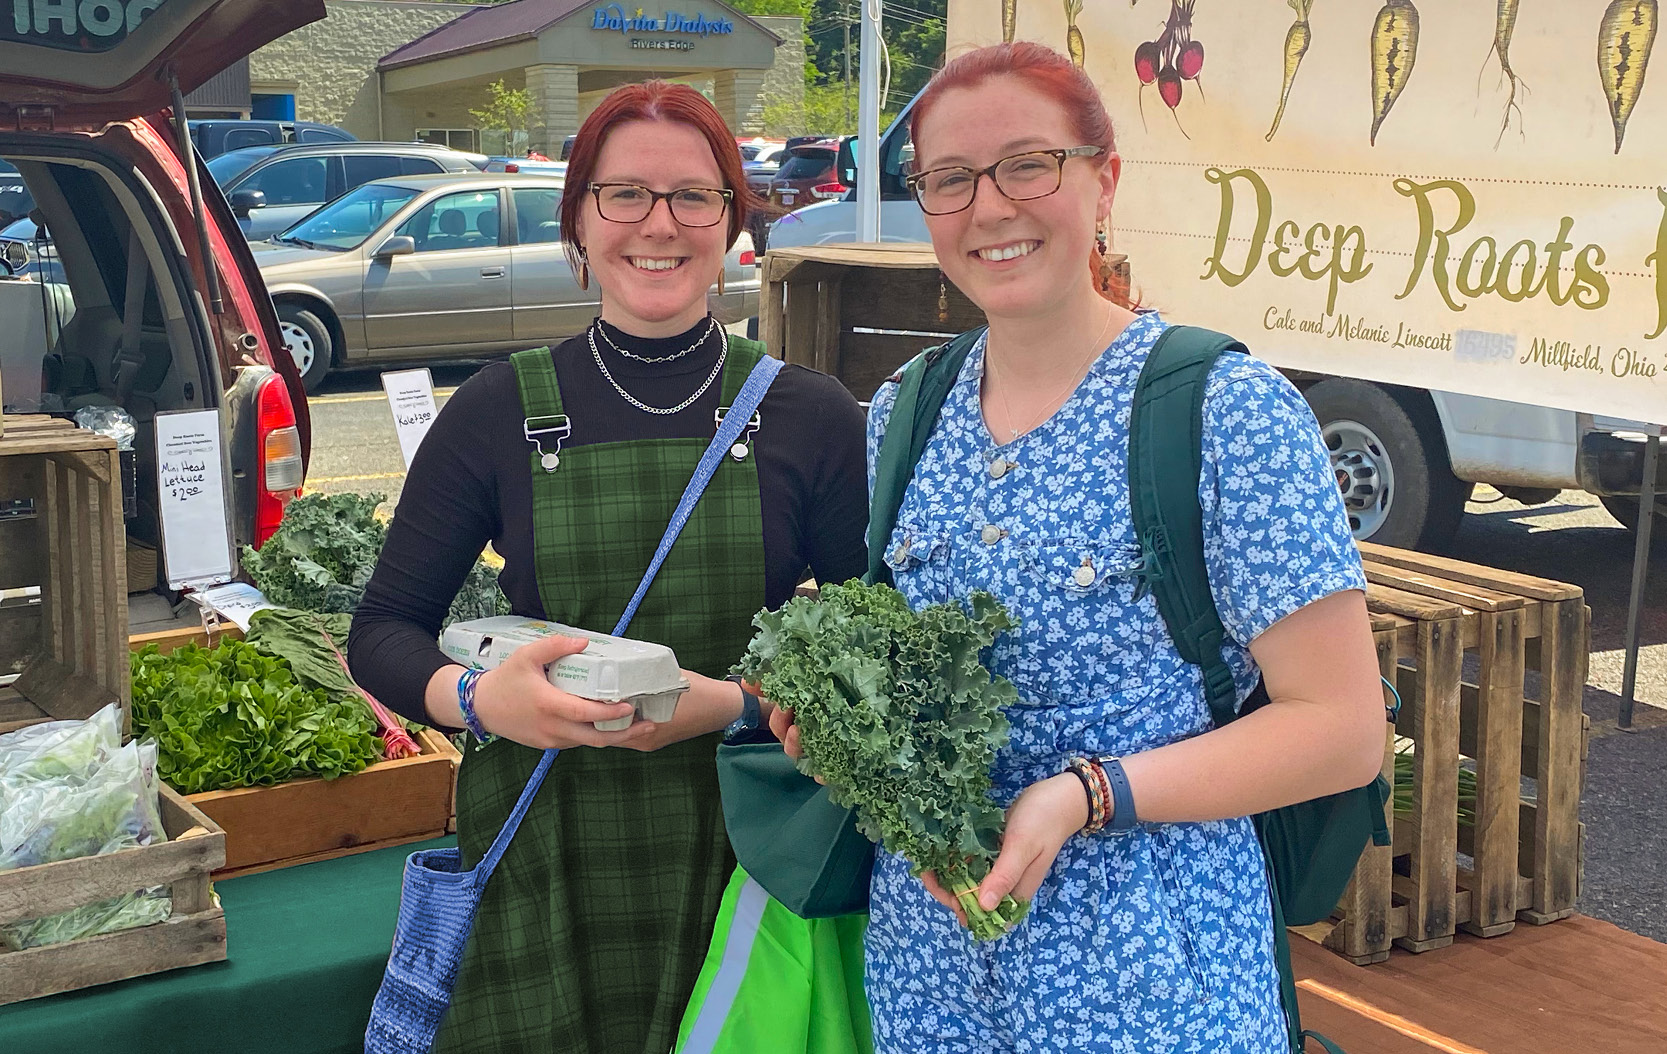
806 176
271 187
215 137
521 164
159 306
15 200
441 266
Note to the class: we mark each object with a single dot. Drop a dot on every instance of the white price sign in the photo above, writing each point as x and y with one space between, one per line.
411 398
196 537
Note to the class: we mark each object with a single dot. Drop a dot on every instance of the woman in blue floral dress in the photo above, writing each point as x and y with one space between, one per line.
1158 938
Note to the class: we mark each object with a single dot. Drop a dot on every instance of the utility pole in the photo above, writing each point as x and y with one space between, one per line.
845 19
868 125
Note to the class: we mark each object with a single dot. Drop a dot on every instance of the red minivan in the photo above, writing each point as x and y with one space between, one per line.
155 303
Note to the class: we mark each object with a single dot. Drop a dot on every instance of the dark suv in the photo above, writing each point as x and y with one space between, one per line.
215 137
271 188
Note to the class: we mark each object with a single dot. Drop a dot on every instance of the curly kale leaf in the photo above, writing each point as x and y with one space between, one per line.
900 717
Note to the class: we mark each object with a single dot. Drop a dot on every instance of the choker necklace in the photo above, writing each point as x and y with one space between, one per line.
638 403
707 333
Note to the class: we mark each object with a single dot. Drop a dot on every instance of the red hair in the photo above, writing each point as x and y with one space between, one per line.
653 100
1039 67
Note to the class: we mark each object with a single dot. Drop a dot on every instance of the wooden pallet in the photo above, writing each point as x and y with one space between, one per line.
1434 619
68 646
194 933
305 820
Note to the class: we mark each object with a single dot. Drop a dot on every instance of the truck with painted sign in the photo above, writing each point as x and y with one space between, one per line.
1446 222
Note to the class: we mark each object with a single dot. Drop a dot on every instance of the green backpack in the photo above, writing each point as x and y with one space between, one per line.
1311 847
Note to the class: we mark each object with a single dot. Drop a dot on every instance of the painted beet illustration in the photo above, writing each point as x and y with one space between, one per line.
1171 60
1505 22
1297 39
1625 39
1394 51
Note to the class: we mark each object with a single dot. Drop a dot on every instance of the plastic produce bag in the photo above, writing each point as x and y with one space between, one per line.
58 750
66 817
112 421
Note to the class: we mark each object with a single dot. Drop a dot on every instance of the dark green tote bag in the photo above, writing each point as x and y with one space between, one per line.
802 848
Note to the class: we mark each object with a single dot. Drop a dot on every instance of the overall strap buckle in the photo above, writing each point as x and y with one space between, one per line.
556 427
743 444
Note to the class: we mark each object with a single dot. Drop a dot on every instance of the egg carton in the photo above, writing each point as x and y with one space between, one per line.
610 669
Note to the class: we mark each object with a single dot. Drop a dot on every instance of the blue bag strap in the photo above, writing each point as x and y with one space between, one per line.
739 416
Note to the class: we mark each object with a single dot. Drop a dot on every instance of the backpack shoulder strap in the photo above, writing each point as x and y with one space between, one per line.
1166 456
921 391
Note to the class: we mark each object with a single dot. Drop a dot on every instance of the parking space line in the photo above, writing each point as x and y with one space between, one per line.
439 393
355 479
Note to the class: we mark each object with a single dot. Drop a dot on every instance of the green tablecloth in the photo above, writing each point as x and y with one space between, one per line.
307 947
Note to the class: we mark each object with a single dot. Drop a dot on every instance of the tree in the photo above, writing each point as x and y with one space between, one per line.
506 114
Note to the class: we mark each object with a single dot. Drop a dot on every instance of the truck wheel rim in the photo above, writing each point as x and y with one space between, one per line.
1364 473
300 345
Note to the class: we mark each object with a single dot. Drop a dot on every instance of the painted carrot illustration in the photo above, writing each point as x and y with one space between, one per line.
1073 35
1505 23
1297 40
1009 19
1394 51
1625 39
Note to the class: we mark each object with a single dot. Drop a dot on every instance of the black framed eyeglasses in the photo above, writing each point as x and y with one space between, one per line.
690 206
1021 177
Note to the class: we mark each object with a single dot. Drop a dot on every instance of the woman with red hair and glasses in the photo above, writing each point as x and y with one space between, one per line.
570 461
1150 926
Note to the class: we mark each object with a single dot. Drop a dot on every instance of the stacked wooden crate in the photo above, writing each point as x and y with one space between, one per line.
61 533
1490 667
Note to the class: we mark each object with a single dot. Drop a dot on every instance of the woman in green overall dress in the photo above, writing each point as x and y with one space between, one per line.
592 930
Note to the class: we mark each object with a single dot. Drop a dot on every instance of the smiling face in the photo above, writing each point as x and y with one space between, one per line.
1014 259
654 274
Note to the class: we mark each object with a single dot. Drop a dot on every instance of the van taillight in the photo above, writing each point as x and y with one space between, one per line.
749 259
281 469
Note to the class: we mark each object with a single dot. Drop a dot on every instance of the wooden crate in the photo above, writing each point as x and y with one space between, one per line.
822 303
1459 641
193 934
67 645
306 820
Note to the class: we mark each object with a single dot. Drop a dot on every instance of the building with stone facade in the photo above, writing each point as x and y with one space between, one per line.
401 70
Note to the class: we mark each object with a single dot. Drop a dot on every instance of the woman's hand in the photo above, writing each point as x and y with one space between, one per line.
518 702
1039 823
782 725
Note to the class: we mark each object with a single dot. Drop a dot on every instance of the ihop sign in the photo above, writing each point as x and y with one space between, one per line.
614 17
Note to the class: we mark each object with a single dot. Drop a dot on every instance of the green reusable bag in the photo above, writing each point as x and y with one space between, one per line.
775 983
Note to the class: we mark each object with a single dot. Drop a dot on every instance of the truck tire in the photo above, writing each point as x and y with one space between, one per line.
1391 464
307 339
1625 509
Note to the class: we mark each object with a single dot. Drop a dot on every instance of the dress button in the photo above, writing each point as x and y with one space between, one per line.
991 534
1084 576
999 467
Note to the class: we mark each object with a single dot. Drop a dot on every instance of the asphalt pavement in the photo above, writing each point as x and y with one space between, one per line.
1572 539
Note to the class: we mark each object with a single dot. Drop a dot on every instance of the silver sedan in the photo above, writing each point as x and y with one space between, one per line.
446 266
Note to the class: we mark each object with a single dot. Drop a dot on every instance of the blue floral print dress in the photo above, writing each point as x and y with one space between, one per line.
1158 940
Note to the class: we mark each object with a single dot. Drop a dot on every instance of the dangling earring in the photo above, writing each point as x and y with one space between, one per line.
1102 243
720 283
943 299
584 269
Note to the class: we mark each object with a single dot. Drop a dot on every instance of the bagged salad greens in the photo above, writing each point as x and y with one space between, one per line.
69 789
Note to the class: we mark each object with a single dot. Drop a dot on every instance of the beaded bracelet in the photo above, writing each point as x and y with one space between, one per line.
1121 794
1110 814
466 703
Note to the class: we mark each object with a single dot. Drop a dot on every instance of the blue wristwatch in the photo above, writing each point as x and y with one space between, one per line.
752 714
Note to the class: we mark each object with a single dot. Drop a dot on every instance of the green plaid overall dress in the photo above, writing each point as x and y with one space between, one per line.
592 931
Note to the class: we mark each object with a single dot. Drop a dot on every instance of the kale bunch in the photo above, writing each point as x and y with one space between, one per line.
900 718
324 551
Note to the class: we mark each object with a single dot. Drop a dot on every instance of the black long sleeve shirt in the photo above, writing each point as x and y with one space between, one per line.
469 484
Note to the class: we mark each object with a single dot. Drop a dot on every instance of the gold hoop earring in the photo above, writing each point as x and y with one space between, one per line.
584 270
943 299
721 282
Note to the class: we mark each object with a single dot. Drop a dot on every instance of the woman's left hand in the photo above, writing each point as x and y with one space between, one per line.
1039 822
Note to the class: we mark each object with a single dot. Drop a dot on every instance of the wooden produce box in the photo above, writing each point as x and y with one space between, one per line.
822 304
307 820
61 532
193 934
1490 666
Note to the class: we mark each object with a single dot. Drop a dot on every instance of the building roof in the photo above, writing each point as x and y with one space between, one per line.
488 27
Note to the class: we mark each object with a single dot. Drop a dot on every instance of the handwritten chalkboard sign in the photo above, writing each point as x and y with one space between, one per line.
191 494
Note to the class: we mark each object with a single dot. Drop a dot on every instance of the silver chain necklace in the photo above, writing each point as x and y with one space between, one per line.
644 407
712 324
